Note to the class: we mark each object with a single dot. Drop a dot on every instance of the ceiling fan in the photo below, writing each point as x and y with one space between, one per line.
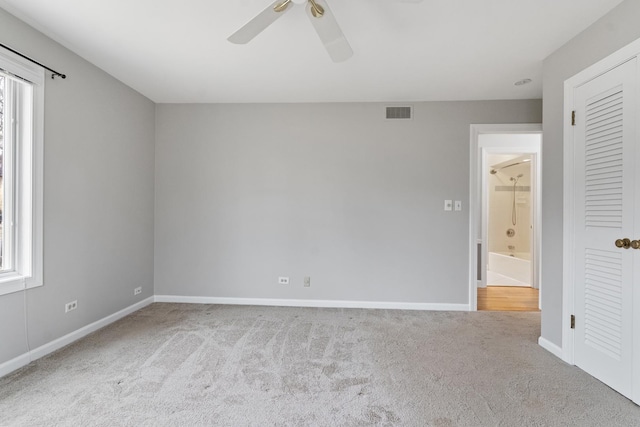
321 18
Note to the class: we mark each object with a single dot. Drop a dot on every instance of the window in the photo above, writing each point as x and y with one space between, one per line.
21 173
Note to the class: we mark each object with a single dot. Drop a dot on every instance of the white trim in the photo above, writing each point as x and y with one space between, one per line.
10 283
311 303
568 238
27 200
36 204
568 290
617 58
21 67
550 347
14 364
475 196
26 358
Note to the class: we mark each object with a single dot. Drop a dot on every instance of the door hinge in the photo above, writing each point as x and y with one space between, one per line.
573 321
573 118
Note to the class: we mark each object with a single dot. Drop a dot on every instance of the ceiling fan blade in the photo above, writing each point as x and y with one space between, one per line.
261 21
328 30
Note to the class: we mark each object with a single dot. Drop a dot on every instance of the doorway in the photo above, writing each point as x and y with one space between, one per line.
505 217
508 217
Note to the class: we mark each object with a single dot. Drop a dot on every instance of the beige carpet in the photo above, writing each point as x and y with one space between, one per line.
193 365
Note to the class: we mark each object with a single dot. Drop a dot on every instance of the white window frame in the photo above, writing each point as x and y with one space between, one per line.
28 200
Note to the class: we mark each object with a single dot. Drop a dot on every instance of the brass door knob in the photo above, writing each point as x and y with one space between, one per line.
635 244
623 243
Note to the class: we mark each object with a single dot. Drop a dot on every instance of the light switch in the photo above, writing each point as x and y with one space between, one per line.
448 205
458 205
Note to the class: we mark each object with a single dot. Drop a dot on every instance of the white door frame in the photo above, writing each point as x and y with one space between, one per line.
477 177
568 290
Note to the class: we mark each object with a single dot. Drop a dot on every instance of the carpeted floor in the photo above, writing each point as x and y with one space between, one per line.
195 365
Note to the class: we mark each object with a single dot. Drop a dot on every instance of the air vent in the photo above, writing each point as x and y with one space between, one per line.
399 113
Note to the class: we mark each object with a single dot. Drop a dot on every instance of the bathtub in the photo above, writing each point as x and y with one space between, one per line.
507 270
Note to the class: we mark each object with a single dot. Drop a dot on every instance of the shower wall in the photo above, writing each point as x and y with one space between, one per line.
500 199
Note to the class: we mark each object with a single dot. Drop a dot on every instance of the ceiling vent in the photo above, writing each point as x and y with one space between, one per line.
399 113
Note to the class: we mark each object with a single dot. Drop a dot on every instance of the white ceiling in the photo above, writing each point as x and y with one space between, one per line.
176 50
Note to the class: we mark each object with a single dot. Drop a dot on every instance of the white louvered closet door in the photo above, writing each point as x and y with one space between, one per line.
605 182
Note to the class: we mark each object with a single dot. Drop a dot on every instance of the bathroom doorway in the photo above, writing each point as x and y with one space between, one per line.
509 220
505 217
510 285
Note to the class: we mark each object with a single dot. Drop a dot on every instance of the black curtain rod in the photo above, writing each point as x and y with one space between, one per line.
54 72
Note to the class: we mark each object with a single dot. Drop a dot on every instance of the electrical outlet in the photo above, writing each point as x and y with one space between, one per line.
307 282
283 280
448 205
137 291
70 306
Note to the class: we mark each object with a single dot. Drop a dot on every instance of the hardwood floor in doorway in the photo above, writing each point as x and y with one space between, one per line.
507 298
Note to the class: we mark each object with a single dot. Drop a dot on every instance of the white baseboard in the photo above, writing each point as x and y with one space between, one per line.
14 364
37 353
550 347
25 359
312 303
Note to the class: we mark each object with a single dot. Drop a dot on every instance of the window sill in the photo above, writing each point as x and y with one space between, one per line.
14 282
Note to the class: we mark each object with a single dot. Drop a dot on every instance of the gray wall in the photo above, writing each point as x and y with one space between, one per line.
247 193
329 191
615 30
98 225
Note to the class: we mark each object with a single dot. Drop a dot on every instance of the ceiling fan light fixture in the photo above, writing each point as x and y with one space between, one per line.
327 28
